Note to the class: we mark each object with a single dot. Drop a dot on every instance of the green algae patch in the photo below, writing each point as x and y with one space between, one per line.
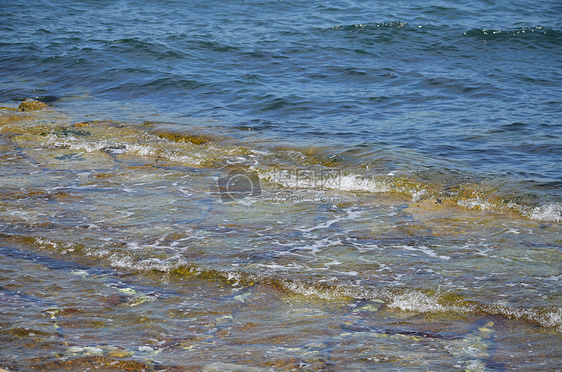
32 105
183 138
94 362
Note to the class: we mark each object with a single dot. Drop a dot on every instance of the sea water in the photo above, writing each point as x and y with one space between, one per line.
281 185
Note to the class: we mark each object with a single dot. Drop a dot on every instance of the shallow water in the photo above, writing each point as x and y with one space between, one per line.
122 245
281 186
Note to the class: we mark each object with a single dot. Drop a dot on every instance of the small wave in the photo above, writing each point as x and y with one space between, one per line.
404 300
165 83
350 182
203 149
419 302
273 103
160 50
343 287
370 26
458 86
332 168
548 318
527 35
369 34
144 48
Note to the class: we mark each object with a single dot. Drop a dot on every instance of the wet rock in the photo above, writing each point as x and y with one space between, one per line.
32 105
182 138
119 353
88 350
93 363
363 306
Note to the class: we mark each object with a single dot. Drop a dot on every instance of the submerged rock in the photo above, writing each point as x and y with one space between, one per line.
46 98
31 105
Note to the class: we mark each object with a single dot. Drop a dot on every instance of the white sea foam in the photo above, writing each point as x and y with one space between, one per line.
319 244
88 350
322 225
357 183
274 266
428 251
307 290
362 248
419 195
351 215
121 261
294 180
475 203
236 160
185 192
118 148
334 262
415 301
140 149
548 213
150 264
549 319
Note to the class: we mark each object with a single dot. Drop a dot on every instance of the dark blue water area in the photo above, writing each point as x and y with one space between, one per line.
474 86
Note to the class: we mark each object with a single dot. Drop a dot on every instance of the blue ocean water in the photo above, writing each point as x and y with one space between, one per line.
465 86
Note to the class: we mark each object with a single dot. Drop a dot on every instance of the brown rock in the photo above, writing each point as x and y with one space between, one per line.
31 105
